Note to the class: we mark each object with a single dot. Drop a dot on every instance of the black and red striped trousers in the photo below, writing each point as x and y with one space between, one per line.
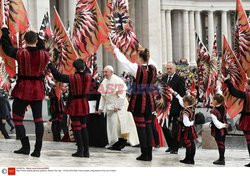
18 109
144 129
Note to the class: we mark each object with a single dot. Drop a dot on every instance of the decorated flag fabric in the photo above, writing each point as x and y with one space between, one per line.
192 89
66 53
203 67
213 74
89 29
92 65
121 31
63 51
4 77
45 31
14 15
163 98
230 65
242 37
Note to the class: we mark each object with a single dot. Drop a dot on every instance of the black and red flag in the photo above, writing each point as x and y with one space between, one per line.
89 30
14 15
45 31
230 65
121 31
242 38
63 51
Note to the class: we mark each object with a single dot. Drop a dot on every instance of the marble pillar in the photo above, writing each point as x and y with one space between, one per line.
186 44
169 37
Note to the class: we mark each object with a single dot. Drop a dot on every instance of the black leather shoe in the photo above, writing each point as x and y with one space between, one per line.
174 152
168 150
187 161
86 154
219 162
114 148
78 154
247 165
25 149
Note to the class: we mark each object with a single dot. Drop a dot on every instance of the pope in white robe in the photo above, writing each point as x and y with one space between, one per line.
120 123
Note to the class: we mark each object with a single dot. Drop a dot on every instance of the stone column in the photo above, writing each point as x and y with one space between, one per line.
198 28
169 37
230 31
192 38
149 32
32 13
185 35
71 9
210 31
224 23
42 8
163 40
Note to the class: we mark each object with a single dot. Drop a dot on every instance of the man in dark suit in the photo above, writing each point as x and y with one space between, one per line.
170 130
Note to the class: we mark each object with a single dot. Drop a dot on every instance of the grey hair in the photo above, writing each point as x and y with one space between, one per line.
110 68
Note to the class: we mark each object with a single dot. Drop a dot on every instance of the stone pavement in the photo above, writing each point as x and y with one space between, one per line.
59 155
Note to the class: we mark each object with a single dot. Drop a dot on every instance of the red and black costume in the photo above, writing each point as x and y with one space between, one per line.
219 134
77 106
188 134
56 110
244 123
142 105
29 89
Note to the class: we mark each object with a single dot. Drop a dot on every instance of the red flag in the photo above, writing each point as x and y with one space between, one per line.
203 68
15 16
163 98
66 52
45 29
238 78
242 37
62 43
4 77
121 29
89 28
92 65
213 74
192 88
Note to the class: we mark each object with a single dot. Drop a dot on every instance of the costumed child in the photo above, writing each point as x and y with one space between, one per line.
219 126
186 128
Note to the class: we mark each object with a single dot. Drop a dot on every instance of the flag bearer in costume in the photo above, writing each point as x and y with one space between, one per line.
77 106
219 126
141 103
186 126
56 110
29 89
244 123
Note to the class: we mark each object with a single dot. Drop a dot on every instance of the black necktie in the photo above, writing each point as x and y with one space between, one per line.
169 79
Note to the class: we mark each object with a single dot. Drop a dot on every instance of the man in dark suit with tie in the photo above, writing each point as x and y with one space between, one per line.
170 130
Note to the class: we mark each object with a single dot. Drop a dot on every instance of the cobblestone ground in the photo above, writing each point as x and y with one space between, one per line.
59 155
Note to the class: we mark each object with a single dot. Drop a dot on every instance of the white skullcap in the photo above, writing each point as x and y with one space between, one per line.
109 67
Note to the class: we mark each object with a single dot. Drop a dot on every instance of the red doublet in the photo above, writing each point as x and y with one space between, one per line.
215 132
142 101
244 123
78 102
31 65
188 133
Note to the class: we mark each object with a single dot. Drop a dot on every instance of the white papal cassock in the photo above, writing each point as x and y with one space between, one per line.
113 95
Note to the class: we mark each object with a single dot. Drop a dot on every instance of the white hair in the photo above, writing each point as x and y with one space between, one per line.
110 68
